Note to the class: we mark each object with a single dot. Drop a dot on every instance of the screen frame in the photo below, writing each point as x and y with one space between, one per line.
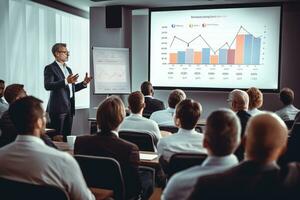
221 6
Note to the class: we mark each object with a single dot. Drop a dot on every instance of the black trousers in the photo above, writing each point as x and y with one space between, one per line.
62 123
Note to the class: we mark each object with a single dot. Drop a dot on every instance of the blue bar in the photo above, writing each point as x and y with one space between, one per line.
189 56
205 55
256 51
248 49
223 56
180 57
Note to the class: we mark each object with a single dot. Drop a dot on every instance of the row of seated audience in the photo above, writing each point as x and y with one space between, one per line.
230 135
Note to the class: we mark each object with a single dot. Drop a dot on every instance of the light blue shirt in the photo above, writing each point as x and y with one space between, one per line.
184 141
138 123
287 113
180 186
164 117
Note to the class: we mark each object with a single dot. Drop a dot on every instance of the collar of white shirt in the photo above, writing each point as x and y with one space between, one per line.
136 115
149 96
220 160
29 138
185 131
115 132
61 65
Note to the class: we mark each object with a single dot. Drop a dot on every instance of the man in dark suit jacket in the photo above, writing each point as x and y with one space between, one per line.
106 143
259 176
239 100
59 80
152 104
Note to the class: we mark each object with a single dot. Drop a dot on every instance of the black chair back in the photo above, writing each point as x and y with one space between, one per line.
15 190
172 129
182 161
102 172
144 141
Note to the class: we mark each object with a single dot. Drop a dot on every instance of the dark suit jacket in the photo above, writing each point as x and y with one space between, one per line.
109 145
249 180
152 105
243 117
9 132
54 81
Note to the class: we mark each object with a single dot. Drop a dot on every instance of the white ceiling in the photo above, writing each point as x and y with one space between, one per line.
85 4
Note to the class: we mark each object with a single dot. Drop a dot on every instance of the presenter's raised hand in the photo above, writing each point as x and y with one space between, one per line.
87 79
72 78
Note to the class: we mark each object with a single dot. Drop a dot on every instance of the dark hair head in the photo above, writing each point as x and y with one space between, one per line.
57 46
110 113
287 96
146 88
25 112
188 112
136 101
2 81
175 97
255 98
223 131
13 91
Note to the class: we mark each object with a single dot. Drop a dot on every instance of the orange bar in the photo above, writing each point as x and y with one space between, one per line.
173 58
214 59
239 52
197 57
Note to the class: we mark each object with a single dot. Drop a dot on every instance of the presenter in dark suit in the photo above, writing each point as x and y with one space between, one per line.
61 82
152 104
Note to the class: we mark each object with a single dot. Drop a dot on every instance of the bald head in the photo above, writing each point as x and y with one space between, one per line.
239 100
266 137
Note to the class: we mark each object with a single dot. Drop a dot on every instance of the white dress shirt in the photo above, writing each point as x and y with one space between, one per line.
181 185
164 117
136 122
254 111
184 141
287 113
29 160
65 71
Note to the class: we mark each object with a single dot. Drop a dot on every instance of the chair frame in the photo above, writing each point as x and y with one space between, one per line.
145 140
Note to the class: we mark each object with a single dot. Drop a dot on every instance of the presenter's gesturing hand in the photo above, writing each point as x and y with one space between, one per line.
87 79
72 78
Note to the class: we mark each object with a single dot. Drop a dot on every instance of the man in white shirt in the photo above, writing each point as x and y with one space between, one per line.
29 160
3 103
289 111
221 138
186 140
166 117
135 121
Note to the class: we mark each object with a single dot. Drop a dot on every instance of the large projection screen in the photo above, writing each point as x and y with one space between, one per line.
215 48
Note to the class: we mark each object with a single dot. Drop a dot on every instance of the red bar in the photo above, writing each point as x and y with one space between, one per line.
230 56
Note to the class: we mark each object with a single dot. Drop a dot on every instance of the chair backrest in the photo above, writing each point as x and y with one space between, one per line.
15 190
172 129
144 141
102 172
182 161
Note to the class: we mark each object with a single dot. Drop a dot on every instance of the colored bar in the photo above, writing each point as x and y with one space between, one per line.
223 56
197 57
248 49
173 58
214 59
230 56
205 55
239 51
181 57
189 56
256 51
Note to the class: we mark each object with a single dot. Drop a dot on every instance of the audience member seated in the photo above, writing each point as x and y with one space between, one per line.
110 114
255 100
289 111
186 140
221 138
152 104
3 104
9 133
259 176
29 160
135 121
239 101
165 117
